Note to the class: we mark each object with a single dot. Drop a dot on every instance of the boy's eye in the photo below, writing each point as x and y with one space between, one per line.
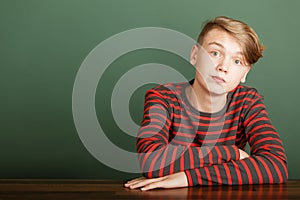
238 62
215 53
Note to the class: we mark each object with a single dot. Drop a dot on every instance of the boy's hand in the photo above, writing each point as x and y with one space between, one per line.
243 154
171 181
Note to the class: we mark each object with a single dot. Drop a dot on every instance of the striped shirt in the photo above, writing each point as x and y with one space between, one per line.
174 136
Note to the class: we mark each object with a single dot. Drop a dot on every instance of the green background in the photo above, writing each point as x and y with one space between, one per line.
44 42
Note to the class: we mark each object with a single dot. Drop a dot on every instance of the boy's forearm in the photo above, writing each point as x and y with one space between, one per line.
253 170
169 159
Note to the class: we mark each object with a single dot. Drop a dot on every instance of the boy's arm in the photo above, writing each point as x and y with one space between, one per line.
159 157
267 163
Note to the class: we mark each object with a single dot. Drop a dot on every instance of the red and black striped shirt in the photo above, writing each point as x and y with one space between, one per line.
174 136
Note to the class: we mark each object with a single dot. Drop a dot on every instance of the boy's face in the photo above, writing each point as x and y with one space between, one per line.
220 64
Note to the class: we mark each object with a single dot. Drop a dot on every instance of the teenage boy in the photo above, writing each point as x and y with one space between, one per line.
195 133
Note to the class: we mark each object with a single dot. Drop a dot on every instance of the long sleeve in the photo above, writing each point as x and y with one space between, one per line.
161 153
266 164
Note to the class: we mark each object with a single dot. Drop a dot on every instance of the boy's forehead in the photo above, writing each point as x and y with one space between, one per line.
221 38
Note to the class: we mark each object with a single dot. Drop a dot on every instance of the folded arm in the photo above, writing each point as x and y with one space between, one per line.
159 156
267 163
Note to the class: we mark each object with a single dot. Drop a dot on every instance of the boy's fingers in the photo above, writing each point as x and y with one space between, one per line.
137 179
158 184
134 181
145 182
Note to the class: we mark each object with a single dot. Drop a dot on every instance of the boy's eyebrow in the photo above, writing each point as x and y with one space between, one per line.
216 43
220 45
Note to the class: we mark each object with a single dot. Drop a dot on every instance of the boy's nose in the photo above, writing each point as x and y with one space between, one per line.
222 67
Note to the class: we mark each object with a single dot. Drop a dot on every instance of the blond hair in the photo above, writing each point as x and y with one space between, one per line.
245 35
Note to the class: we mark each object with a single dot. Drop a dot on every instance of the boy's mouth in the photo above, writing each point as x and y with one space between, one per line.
218 79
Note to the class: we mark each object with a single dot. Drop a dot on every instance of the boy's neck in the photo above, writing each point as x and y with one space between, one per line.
203 100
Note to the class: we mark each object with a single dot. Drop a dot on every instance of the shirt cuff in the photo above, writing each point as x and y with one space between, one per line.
191 177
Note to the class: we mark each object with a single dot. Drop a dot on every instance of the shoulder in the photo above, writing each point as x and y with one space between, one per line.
166 95
246 99
169 94
245 92
168 90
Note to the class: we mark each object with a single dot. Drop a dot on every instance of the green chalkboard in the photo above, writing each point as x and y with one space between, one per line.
43 45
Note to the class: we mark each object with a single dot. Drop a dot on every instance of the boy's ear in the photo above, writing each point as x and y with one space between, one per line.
193 55
243 80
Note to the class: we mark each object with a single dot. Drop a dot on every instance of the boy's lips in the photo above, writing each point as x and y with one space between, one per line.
218 79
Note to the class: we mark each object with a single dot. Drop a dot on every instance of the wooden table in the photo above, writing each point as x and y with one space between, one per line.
106 189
